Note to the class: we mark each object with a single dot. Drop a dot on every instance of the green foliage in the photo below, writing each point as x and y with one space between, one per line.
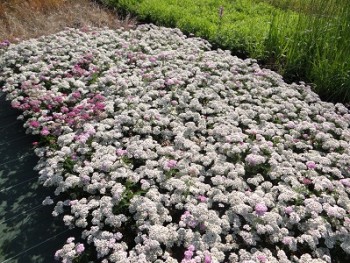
49 140
131 189
171 173
93 78
68 165
312 44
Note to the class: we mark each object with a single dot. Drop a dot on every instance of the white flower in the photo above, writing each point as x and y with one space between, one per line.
253 159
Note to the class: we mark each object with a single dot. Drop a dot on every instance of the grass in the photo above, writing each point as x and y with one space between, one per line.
301 39
20 20
313 45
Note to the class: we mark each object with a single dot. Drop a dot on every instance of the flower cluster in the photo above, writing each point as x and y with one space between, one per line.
162 150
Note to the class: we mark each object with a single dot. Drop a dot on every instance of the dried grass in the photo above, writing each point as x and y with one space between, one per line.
24 19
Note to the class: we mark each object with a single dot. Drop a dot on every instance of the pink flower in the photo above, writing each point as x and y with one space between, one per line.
99 106
202 198
15 104
185 215
260 209
306 181
188 254
70 240
311 165
73 202
85 116
80 248
45 131
287 240
57 254
207 259
111 242
83 137
85 178
152 59
118 236
191 248
71 114
5 43
288 210
170 82
121 152
228 139
64 109
99 96
171 164
34 124
345 182
58 99
192 223
261 258
290 125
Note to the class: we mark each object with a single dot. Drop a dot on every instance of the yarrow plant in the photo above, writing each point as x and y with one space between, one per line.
162 150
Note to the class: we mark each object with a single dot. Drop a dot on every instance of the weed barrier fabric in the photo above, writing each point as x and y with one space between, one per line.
28 231
158 149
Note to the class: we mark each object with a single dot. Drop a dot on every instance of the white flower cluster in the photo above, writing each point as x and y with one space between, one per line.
162 150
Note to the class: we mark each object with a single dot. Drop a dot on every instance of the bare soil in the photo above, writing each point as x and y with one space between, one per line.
25 19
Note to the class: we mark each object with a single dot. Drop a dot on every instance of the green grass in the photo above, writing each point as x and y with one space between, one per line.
313 45
304 40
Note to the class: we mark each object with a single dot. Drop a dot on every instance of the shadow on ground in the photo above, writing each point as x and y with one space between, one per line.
28 231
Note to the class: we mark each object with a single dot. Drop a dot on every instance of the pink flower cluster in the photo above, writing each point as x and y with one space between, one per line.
83 68
5 43
57 108
189 253
170 164
189 219
260 209
121 152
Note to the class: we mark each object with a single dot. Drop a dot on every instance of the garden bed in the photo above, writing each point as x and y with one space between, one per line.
163 150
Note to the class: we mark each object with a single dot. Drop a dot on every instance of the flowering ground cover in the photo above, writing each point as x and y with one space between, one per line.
162 150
